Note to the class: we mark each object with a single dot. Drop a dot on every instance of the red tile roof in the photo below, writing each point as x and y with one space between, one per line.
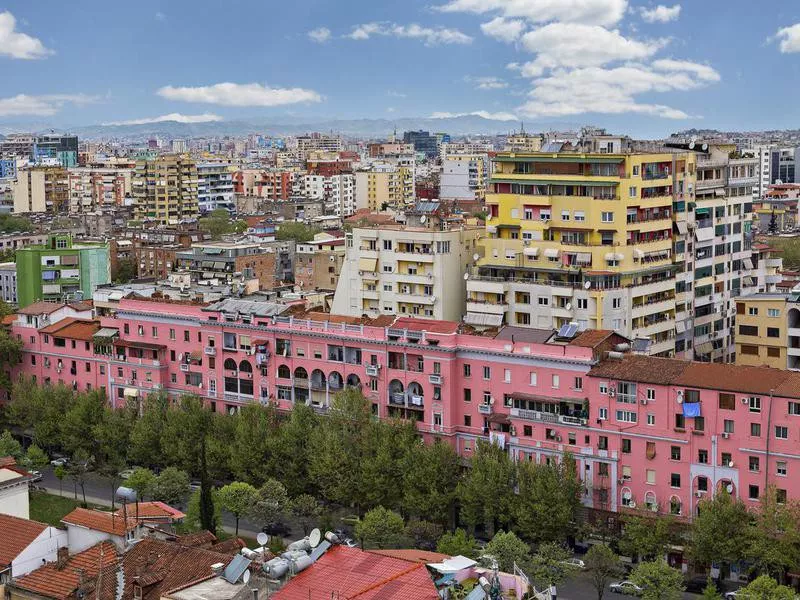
413 555
591 338
7 461
351 574
40 308
74 329
425 325
60 584
17 534
99 520
152 510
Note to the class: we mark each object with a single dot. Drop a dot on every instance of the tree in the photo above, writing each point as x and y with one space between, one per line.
237 498
60 472
126 270
765 587
35 458
218 223
603 566
721 531
458 543
486 492
147 431
271 503
141 481
193 518
255 444
645 537
209 509
775 536
507 549
546 506
171 486
78 468
184 436
549 565
423 534
385 446
430 479
10 223
293 230
380 528
306 510
293 450
9 446
659 580
80 422
710 591
10 356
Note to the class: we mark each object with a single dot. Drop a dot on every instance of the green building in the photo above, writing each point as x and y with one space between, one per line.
60 270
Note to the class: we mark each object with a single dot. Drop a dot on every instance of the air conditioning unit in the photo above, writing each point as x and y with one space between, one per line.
725 435
184 367
644 400
435 379
699 494
730 464
744 400
632 505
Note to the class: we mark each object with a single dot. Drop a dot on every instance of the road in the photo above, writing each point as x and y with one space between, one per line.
580 588
98 491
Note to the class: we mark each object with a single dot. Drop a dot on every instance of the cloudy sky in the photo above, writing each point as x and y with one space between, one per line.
632 65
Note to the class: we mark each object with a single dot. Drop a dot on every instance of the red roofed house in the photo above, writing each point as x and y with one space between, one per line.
156 513
86 528
24 545
13 489
351 573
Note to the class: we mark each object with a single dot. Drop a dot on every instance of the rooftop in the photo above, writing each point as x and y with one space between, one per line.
99 520
72 328
17 534
151 510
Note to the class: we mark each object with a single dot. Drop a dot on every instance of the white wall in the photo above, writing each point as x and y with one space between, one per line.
43 548
14 500
80 538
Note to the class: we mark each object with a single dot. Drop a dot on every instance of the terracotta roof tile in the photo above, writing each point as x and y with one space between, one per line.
413 555
426 325
60 584
201 539
643 369
16 534
40 308
738 378
591 338
7 461
353 574
99 520
152 510
72 328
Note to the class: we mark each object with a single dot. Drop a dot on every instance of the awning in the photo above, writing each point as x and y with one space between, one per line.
748 263
719 192
704 348
638 253
680 326
584 258
533 252
551 252
499 418
212 250
368 264
106 332
704 234
131 392
681 226
702 212
483 320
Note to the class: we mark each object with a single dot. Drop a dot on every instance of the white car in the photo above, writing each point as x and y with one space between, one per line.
626 587
126 474
60 462
732 595
576 563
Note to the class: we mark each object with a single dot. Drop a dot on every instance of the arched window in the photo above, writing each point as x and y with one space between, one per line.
674 505
650 501
284 372
335 381
300 373
627 498
245 367
230 364
353 380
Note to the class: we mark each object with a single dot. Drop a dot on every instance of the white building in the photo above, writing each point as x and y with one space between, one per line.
86 527
14 482
215 187
26 545
338 192
8 282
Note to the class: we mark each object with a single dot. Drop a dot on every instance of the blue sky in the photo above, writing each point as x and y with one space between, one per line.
641 67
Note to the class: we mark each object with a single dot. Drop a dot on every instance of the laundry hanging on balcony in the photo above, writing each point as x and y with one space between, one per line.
691 409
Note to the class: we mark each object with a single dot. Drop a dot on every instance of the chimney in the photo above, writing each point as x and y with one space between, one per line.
62 556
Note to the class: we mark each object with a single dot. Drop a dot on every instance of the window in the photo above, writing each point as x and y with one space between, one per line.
607 217
749 350
632 191
773 312
794 408
702 484
507 375
748 330
556 380
727 401
626 445
755 429
780 496
727 425
755 404
583 303
650 476
602 469
125 328
543 301
527 430
702 456
387 244
487 398
651 394
626 416
533 379
467 395
773 332
186 337
626 473
752 311
467 421
579 215
699 423
680 421
565 215
651 419
675 480
487 372
616 303
578 383
780 468
726 460
603 388
773 352
602 442
781 432
752 492
602 414
467 370
753 464
172 334
675 452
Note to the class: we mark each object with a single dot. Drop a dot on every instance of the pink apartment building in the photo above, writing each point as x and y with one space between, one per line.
647 433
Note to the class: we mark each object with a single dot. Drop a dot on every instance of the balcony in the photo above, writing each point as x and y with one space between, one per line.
652 307
210 351
435 379
476 306
535 415
485 409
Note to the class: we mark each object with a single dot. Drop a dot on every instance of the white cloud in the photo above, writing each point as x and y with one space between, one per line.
594 12
394 94
390 109
575 45
240 94
789 39
16 44
505 30
494 116
174 117
320 34
431 36
161 16
703 72
487 83
661 13
41 106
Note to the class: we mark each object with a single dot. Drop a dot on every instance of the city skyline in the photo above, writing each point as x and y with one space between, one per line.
644 68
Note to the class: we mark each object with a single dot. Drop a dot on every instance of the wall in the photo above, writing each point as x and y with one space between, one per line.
43 548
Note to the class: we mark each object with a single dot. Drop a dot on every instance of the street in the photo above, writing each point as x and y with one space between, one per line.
580 588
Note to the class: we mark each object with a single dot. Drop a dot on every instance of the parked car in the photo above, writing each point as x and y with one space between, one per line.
60 462
194 485
126 474
732 595
279 529
349 543
626 587
575 562
696 585
37 476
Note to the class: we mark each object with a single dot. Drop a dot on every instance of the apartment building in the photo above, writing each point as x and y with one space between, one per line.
221 260
317 142
60 149
464 177
92 188
165 189
8 282
403 270
762 325
215 187
384 185
269 184
338 192
319 262
60 270
41 190
585 238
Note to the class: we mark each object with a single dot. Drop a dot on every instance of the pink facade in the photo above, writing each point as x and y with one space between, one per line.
621 418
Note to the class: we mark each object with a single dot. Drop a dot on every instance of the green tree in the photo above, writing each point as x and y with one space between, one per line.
237 498
9 446
775 536
219 223
430 478
112 434
765 587
721 531
39 411
271 503
546 506
79 468
255 443
10 356
171 486
193 519
423 534
486 491
659 580
219 444
184 437
35 458
209 507
549 565
81 421
507 549
294 451
142 482
10 223
147 431
294 230
710 591
126 270
385 446
603 566
60 472
458 543
645 537
380 528
307 510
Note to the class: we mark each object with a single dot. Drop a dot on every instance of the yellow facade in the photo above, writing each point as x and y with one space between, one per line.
394 187
761 331
165 189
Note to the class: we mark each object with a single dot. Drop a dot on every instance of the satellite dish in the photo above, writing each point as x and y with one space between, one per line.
568 306
246 576
315 538
476 256
423 218
691 145
587 285
705 147
729 488
262 539
466 276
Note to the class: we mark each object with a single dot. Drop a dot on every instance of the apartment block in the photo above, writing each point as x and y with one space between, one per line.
762 325
60 270
92 188
269 184
41 190
403 270
464 177
165 189
384 185
337 191
221 260
8 282
215 187
319 262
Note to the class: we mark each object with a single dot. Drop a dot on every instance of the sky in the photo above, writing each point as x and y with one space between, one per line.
633 66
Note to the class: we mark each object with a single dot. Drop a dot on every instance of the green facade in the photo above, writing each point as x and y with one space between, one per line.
59 269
